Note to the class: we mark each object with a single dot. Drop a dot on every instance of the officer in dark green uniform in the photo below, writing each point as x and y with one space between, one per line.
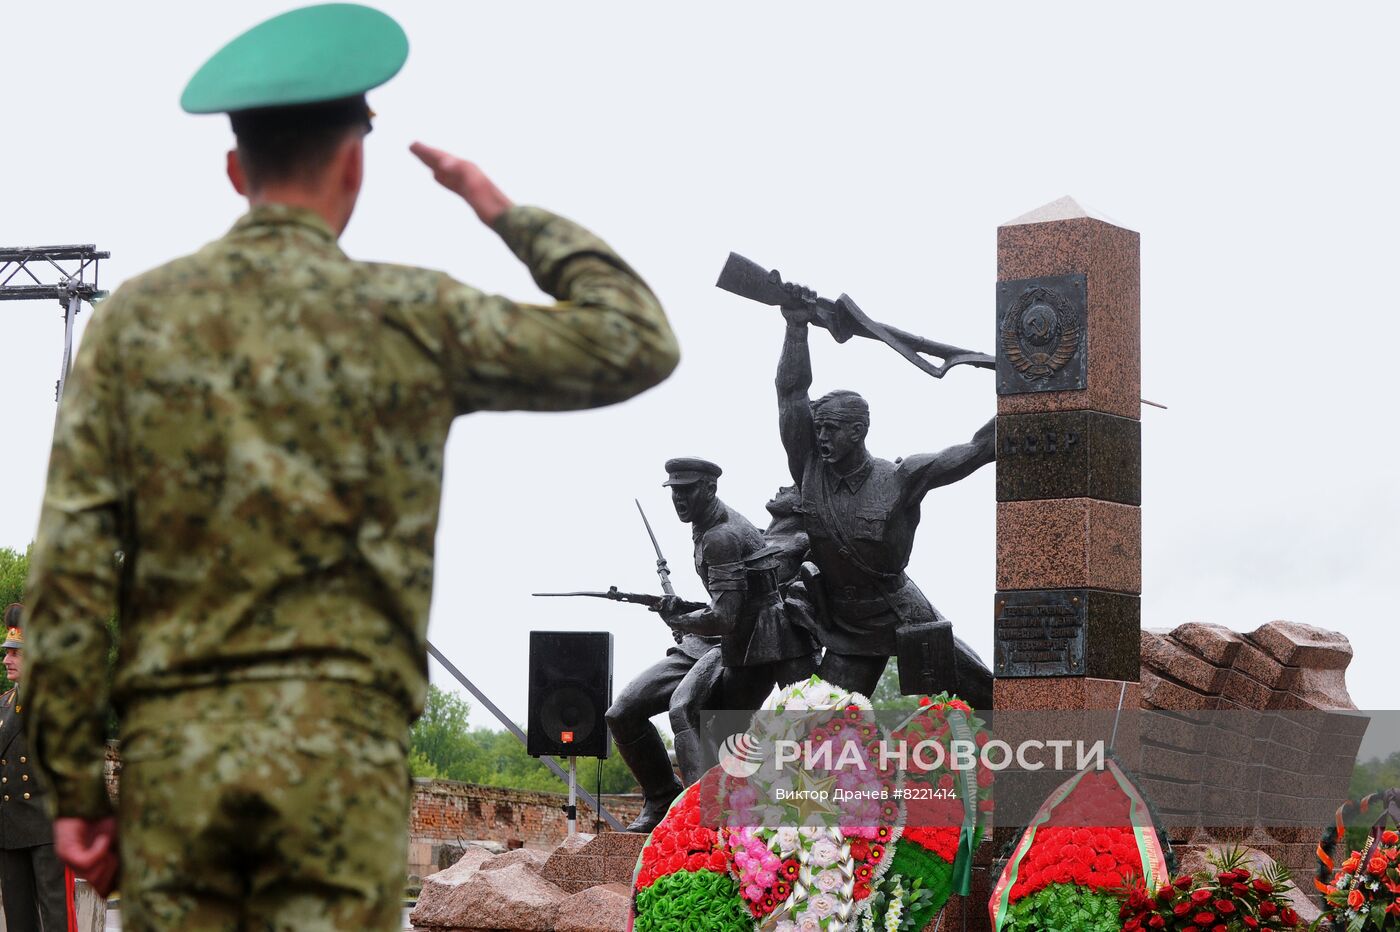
259 428
31 879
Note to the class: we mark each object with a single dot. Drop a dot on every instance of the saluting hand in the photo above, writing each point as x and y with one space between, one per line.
465 179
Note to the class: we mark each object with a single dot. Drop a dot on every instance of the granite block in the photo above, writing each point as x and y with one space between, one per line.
604 908
617 844
1299 645
1193 859
1070 543
1319 689
1069 454
618 869
1164 694
1295 736
1259 666
1166 659
1216 643
1168 764
1168 794
1049 694
1173 731
1217 802
1230 774
1221 745
1108 256
1247 692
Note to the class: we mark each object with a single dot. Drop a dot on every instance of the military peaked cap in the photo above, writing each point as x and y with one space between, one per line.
684 470
14 636
306 56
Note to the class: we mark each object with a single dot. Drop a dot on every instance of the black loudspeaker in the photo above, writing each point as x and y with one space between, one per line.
570 689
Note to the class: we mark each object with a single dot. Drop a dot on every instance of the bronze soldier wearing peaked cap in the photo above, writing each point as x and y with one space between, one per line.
259 428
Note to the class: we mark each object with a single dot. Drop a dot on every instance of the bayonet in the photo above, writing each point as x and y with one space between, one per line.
663 569
637 598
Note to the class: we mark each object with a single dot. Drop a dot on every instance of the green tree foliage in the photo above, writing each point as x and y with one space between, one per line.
1372 776
887 697
445 747
14 566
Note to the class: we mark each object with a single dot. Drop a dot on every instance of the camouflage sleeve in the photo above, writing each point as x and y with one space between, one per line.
606 339
72 585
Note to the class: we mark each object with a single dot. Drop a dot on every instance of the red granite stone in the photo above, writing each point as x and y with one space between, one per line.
1173 731
1319 689
443 897
617 844
1069 543
1192 859
1057 693
602 908
1247 691
1108 256
1259 666
1167 764
1298 645
1164 694
1164 657
531 858
1215 643
512 898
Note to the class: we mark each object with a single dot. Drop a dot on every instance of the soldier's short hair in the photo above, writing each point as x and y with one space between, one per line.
281 144
842 405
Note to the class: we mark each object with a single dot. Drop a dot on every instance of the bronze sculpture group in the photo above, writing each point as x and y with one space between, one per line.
823 589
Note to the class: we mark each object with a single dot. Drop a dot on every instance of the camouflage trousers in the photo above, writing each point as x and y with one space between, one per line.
271 806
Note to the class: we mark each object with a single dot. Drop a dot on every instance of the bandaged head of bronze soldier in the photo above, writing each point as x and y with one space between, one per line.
693 482
785 503
841 419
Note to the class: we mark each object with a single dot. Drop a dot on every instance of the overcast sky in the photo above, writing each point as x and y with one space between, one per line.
867 151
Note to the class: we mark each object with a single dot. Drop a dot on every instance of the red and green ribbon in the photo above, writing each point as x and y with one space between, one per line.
1154 861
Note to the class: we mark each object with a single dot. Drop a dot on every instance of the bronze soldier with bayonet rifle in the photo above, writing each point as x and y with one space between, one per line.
730 651
760 646
655 690
860 511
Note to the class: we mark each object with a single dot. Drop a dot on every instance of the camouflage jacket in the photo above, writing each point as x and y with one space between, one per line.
258 431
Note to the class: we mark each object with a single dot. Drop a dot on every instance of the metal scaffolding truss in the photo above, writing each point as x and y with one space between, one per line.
30 273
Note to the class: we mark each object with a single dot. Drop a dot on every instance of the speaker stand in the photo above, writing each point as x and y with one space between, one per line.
571 810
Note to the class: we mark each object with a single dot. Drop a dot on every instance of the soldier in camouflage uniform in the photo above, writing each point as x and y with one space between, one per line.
258 430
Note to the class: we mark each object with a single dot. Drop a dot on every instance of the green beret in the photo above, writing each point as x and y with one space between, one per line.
306 56
686 470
